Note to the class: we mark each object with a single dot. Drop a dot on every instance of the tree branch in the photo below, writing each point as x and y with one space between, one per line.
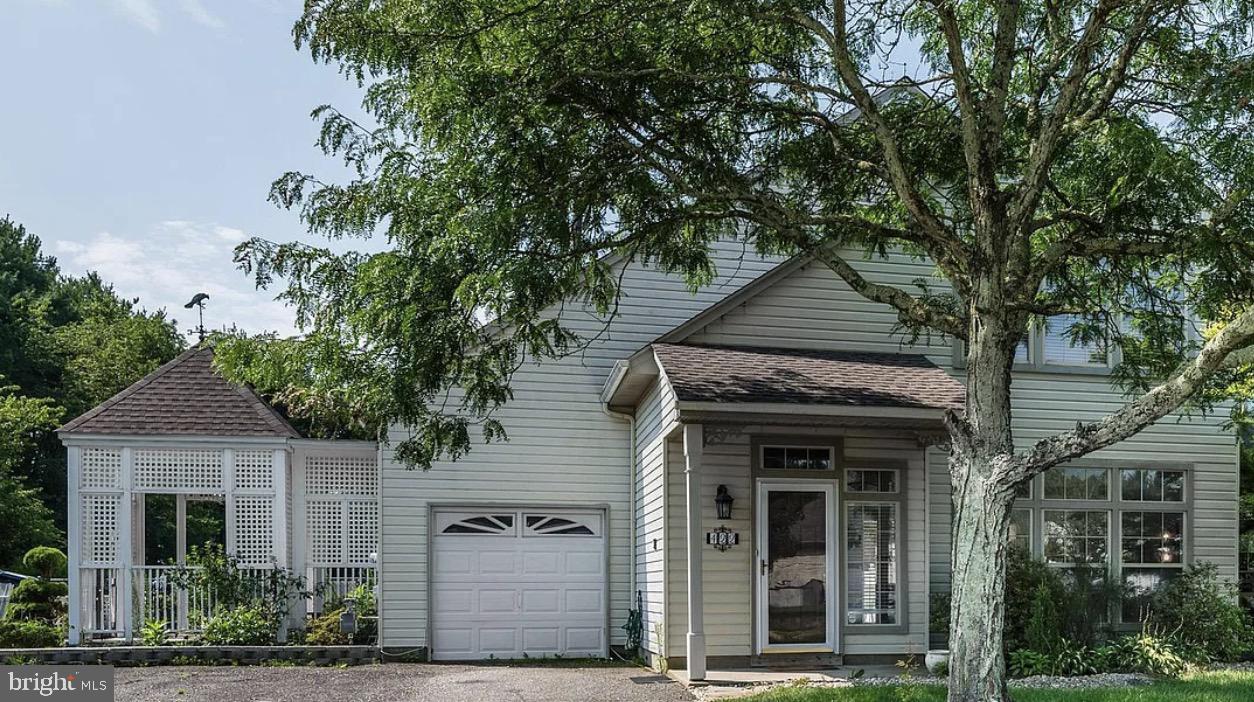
1146 409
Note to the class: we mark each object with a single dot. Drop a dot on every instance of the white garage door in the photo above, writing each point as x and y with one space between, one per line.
514 583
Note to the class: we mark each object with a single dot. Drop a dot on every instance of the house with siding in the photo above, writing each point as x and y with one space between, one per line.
758 467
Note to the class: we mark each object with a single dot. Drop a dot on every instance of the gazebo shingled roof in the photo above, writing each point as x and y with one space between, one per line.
185 397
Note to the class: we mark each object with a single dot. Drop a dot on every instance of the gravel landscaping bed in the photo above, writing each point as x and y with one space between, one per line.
1083 682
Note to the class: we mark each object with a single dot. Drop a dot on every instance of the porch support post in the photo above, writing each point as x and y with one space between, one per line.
74 538
180 557
180 529
278 521
125 551
694 448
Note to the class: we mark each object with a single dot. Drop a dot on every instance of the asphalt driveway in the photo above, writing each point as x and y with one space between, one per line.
396 682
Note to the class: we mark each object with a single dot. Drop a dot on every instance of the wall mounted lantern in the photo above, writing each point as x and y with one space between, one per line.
723 502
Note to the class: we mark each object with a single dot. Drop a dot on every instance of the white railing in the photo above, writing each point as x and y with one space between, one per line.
101 589
159 594
334 582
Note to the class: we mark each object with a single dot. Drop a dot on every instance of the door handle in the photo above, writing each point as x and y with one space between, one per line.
763 566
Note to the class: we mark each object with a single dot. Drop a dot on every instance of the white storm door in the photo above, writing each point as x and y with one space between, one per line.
796 566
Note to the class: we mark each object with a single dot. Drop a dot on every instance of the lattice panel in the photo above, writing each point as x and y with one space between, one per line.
100 468
326 527
100 528
363 531
254 470
254 529
181 469
341 475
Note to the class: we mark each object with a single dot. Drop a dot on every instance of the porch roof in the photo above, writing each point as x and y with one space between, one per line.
742 374
185 397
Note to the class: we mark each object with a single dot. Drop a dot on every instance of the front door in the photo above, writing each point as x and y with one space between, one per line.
796 593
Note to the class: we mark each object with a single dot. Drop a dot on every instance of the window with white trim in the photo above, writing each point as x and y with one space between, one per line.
797 458
871 563
1068 483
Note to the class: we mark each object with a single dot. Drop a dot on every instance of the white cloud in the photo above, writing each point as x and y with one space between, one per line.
171 262
141 12
198 12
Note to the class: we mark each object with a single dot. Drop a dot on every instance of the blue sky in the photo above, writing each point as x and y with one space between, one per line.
139 139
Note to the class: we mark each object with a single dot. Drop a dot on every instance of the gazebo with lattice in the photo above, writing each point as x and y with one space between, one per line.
184 434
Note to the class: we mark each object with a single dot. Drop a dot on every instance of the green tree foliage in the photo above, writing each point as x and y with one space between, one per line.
1085 163
25 521
66 344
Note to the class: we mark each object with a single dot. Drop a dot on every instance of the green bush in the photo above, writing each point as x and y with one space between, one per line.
45 561
325 630
1141 653
37 600
1044 628
243 626
30 634
1072 605
154 633
1201 615
213 573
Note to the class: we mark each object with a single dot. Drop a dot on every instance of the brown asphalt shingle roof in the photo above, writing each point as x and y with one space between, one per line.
752 374
184 397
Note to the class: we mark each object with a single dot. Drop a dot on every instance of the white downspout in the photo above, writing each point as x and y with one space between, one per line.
631 450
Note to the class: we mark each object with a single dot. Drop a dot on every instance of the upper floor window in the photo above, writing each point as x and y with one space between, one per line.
1060 348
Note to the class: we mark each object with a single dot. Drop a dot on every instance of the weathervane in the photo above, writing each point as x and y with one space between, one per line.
198 301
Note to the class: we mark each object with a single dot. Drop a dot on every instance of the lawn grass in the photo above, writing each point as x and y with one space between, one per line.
1212 686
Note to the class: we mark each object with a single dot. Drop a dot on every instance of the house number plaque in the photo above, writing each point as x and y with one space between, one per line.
722 538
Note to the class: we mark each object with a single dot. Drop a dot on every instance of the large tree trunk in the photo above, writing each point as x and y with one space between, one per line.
981 523
982 478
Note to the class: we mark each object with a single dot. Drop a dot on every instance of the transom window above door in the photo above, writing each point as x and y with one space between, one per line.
870 481
797 457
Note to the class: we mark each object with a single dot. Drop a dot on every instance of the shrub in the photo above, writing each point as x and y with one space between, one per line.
217 575
243 626
45 561
325 630
1044 628
1141 653
37 600
1072 605
154 633
29 634
1201 615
